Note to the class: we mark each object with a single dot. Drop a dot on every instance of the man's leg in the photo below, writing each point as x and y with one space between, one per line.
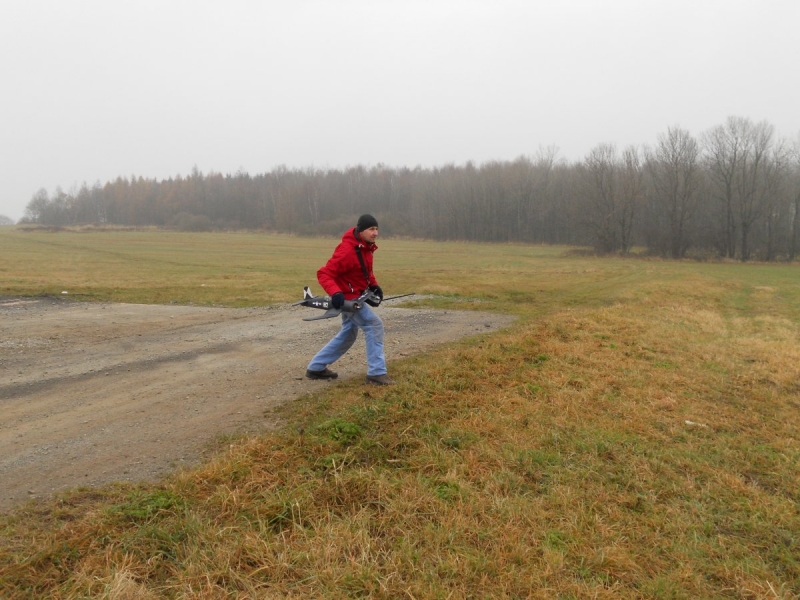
335 349
372 325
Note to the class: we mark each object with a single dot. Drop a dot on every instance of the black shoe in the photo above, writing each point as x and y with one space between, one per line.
379 380
326 373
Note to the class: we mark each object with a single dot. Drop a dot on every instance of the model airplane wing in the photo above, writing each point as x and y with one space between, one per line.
328 314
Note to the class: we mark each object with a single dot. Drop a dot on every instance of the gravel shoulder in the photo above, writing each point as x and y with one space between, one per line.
96 393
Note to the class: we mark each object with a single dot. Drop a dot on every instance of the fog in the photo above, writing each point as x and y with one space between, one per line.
95 90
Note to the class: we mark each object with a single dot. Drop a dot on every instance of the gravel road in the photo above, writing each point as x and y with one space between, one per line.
94 393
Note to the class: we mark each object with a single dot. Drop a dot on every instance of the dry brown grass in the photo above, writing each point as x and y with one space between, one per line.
641 445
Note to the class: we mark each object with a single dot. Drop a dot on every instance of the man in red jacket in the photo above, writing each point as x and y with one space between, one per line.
346 275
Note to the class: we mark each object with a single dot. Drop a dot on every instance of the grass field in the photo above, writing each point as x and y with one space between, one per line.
636 434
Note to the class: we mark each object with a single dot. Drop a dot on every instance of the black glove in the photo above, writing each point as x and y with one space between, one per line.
376 289
337 300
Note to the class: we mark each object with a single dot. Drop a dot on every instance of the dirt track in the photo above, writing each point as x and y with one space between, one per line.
94 393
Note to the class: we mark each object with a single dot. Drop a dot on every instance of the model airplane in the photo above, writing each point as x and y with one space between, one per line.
349 306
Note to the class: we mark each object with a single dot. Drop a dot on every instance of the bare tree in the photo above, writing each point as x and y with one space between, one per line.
760 180
775 197
631 193
613 187
676 176
600 189
794 187
744 175
543 201
724 145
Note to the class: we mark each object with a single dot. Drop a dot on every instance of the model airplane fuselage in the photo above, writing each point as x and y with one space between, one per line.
324 303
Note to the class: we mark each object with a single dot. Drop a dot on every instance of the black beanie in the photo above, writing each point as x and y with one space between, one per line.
365 222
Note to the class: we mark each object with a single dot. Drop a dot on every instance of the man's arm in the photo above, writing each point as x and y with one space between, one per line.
328 274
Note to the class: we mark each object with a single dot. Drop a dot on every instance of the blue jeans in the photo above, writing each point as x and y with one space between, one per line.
370 323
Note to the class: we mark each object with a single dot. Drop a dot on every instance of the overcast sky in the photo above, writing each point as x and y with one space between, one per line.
95 89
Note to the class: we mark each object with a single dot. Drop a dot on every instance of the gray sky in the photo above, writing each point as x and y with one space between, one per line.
95 89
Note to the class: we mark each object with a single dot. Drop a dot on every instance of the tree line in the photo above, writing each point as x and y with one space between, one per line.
733 191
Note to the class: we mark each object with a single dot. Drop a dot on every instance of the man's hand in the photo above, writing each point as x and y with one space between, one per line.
337 300
377 291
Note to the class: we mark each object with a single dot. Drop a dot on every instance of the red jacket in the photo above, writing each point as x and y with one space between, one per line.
343 271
